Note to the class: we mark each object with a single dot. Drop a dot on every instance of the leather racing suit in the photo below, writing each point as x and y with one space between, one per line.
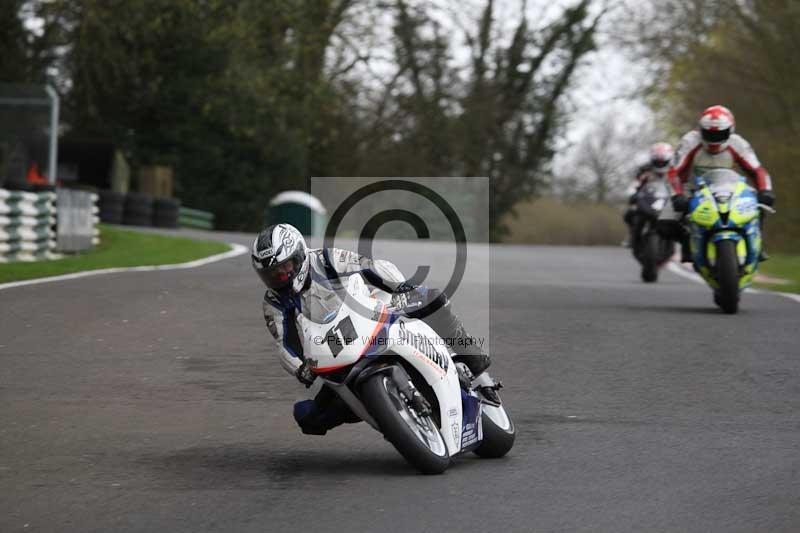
692 160
327 267
644 174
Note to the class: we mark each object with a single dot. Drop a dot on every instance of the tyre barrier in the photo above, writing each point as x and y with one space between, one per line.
112 207
138 210
194 218
27 223
165 212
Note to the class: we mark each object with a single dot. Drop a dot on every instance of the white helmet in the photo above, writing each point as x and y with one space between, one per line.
661 157
716 126
280 258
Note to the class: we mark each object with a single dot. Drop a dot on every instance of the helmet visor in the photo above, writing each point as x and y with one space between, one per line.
716 136
660 163
279 275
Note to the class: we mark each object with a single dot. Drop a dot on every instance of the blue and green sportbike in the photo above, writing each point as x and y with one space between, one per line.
725 234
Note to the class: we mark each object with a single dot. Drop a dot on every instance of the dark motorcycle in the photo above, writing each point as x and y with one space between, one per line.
651 248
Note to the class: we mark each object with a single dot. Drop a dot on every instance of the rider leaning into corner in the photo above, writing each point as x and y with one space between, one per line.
298 280
654 170
713 145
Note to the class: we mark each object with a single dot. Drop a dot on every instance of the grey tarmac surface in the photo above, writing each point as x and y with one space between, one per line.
153 402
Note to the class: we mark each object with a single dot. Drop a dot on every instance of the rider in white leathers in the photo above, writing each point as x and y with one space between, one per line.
302 281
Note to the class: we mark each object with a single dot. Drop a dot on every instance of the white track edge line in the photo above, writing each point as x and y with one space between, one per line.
675 268
236 250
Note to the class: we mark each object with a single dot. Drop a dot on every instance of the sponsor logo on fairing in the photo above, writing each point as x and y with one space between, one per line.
470 435
424 346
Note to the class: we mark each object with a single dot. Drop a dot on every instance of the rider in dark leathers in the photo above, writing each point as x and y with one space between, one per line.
655 169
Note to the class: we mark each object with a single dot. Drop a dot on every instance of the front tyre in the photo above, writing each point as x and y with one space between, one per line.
650 252
499 432
416 437
727 296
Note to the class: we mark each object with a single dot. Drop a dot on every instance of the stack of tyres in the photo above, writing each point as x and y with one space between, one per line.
138 210
166 212
112 207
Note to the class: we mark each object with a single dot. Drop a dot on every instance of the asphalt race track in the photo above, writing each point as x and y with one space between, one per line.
153 402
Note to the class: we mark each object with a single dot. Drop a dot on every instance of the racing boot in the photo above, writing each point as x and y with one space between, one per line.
488 388
323 413
628 219
762 255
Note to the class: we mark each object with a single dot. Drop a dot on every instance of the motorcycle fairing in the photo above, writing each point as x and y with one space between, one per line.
355 332
438 370
472 428
713 220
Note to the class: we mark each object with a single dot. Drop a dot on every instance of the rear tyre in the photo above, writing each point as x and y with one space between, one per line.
727 296
650 253
499 433
416 437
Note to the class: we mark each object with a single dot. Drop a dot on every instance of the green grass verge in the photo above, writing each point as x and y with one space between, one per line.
784 267
118 248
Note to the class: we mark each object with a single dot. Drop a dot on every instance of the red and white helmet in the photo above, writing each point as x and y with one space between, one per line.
661 157
716 126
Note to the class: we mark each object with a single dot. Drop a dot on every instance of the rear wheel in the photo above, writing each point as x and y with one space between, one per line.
416 437
727 296
650 253
499 432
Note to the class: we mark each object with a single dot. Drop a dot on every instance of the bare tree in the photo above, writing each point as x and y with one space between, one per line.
605 159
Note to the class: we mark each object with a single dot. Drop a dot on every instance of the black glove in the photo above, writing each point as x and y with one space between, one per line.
632 198
304 375
766 197
680 203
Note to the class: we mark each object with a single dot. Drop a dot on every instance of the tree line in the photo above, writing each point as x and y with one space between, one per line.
244 98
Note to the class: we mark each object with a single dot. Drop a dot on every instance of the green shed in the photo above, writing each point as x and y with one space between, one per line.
301 210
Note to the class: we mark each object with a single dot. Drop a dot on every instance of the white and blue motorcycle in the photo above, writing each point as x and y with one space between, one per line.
397 374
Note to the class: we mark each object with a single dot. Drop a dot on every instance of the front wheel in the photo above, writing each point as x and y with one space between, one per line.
499 432
650 252
727 296
416 437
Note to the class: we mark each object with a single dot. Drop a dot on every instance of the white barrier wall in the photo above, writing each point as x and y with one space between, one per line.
28 223
77 216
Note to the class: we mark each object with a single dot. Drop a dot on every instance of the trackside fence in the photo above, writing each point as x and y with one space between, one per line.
37 226
194 218
27 226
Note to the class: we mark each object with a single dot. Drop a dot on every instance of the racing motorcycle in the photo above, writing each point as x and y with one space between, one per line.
725 234
651 248
397 374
